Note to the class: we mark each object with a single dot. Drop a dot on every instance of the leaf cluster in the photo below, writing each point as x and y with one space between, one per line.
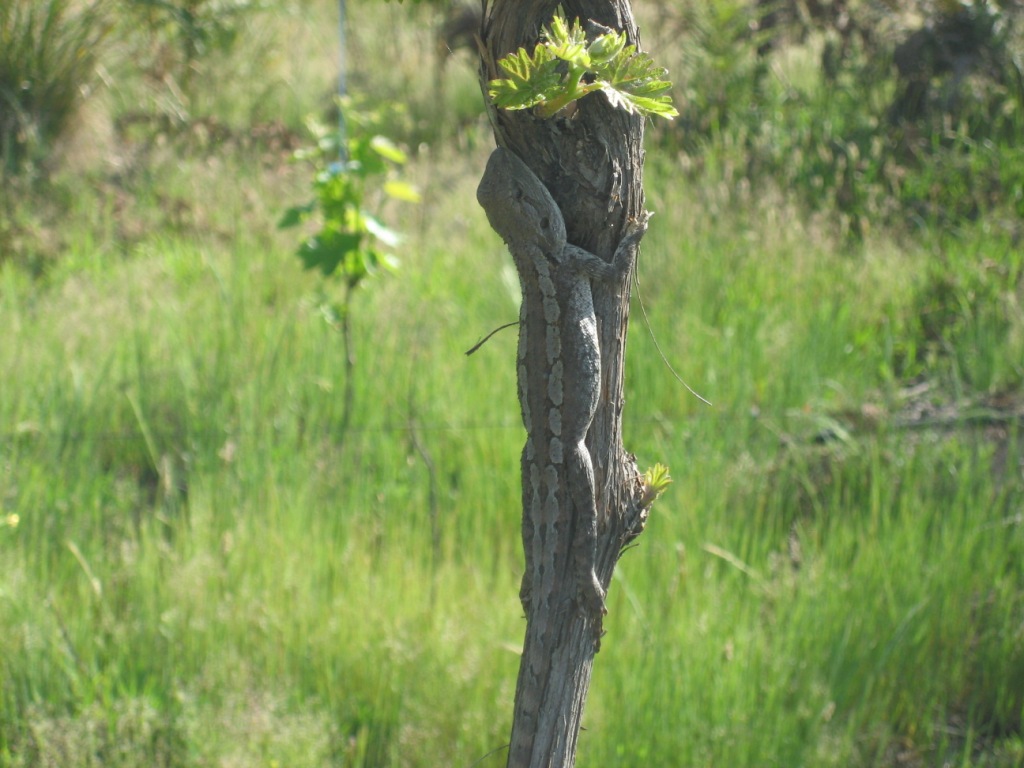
564 67
351 242
655 480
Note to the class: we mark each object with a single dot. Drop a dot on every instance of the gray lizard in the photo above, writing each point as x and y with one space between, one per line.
559 371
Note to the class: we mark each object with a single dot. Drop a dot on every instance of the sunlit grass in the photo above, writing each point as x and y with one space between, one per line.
200 568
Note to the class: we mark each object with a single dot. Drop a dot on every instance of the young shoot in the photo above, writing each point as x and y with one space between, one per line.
564 67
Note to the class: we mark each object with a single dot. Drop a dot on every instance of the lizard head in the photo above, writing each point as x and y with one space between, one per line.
518 206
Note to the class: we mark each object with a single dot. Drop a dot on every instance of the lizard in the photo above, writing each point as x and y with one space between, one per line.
558 374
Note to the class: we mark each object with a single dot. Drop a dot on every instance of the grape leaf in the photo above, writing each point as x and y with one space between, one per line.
629 78
633 82
532 79
567 44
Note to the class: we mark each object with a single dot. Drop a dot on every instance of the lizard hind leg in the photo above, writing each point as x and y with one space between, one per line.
581 484
531 507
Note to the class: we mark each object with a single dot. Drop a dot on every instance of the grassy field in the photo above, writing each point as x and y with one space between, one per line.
200 568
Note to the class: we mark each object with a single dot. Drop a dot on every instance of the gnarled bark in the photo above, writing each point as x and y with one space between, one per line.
592 163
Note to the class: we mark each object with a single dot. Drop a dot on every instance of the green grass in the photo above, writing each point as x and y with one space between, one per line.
47 63
200 569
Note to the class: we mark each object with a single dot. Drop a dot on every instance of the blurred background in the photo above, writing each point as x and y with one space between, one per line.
257 508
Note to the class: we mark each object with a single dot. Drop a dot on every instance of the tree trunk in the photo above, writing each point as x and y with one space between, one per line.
591 162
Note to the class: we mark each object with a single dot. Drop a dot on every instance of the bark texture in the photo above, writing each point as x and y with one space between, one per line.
591 161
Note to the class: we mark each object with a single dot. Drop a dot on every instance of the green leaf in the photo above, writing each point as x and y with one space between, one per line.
402 190
328 249
629 79
377 261
655 480
390 262
354 269
365 158
332 312
387 149
606 47
532 79
632 81
387 236
296 215
660 106
567 44
630 66
367 262
521 66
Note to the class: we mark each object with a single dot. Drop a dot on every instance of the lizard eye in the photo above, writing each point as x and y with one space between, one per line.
545 223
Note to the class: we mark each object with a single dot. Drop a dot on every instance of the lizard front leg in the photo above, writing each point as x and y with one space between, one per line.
600 271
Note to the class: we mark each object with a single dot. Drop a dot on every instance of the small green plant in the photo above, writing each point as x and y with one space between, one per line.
564 68
351 244
656 479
